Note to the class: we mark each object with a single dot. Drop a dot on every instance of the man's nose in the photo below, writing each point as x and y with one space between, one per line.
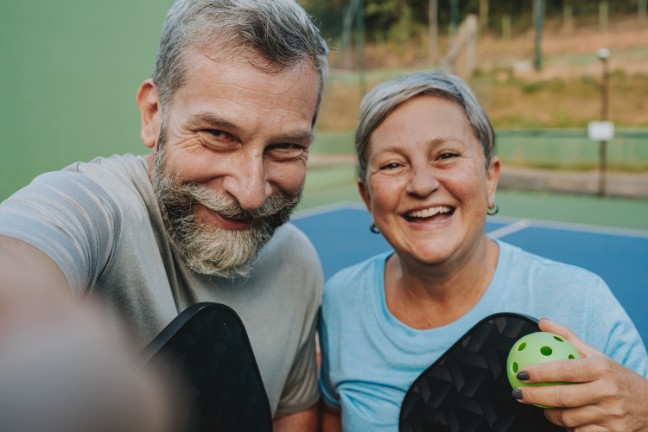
248 183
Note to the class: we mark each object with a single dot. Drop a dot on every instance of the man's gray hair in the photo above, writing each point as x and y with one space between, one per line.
384 99
279 31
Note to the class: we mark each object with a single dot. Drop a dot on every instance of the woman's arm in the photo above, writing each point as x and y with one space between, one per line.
331 419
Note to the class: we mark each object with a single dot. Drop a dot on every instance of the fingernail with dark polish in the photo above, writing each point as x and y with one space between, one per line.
523 376
517 394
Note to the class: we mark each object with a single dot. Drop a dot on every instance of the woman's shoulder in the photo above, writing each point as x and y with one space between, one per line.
518 262
360 269
354 277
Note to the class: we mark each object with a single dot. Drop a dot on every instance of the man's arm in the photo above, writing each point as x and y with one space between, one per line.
26 272
62 357
306 421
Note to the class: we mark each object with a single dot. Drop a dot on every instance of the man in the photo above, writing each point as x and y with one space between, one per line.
229 115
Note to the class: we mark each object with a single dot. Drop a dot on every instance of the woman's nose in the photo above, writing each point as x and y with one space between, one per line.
422 181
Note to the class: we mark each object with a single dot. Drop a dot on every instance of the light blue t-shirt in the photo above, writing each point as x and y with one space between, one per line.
370 359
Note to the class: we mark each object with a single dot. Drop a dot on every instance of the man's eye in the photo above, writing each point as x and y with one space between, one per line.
218 134
286 147
286 150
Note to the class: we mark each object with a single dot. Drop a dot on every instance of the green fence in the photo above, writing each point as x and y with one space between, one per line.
558 149
572 149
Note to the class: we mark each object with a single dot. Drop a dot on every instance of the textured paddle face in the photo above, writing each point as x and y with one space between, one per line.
207 348
467 389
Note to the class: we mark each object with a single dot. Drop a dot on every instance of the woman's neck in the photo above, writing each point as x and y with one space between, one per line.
425 296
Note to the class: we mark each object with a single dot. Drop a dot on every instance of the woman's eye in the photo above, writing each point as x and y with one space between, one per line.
447 155
390 166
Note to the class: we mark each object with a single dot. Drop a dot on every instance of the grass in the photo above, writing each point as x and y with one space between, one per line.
328 142
327 185
516 103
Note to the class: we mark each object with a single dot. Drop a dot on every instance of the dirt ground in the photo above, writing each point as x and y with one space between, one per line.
565 93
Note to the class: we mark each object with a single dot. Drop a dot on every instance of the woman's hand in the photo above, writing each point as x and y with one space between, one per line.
605 395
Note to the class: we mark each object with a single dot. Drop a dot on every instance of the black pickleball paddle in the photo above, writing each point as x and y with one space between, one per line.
207 350
467 390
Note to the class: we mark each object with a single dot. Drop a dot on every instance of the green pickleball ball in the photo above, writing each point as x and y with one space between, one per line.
535 348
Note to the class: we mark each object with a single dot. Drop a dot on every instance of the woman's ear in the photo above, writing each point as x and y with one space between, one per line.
364 194
492 178
150 113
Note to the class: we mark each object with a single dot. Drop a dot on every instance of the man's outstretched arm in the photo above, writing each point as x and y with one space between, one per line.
26 271
63 357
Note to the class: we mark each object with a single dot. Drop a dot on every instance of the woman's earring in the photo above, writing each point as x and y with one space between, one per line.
373 228
493 209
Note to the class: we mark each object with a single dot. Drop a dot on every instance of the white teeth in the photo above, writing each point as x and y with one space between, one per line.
429 212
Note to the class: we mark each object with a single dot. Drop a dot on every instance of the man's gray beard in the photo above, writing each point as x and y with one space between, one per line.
209 249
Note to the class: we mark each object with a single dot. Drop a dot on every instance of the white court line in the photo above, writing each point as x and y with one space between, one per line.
510 229
328 208
536 223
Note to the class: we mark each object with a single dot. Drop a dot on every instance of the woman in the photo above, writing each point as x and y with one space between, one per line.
428 177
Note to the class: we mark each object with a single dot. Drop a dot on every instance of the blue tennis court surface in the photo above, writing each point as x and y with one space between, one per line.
342 238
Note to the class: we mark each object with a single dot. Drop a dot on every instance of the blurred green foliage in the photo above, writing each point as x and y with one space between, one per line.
392 20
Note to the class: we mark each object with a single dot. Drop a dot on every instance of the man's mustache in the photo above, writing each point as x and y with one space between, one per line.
228 206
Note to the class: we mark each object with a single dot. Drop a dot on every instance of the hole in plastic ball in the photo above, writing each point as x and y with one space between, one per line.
546 351
522 346
515 367
572 356
559 339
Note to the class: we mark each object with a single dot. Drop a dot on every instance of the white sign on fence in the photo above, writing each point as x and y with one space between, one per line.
600 131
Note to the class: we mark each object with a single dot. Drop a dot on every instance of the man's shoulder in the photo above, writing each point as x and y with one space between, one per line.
106 174
112 168
89 185
290 242
122 178
290 253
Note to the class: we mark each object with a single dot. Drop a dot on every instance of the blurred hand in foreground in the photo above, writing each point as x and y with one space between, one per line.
66 367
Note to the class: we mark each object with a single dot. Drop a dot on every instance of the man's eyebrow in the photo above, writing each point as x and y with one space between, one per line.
305 136
214 121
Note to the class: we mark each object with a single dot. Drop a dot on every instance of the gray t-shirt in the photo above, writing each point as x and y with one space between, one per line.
100 222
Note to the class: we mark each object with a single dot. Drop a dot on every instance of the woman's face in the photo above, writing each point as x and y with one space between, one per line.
427 186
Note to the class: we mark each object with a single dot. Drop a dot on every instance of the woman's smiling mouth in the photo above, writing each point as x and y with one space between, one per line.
430 214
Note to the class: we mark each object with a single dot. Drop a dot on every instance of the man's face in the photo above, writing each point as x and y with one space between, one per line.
230 162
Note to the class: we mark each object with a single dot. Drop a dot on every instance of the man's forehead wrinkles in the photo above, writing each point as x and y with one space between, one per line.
297 70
